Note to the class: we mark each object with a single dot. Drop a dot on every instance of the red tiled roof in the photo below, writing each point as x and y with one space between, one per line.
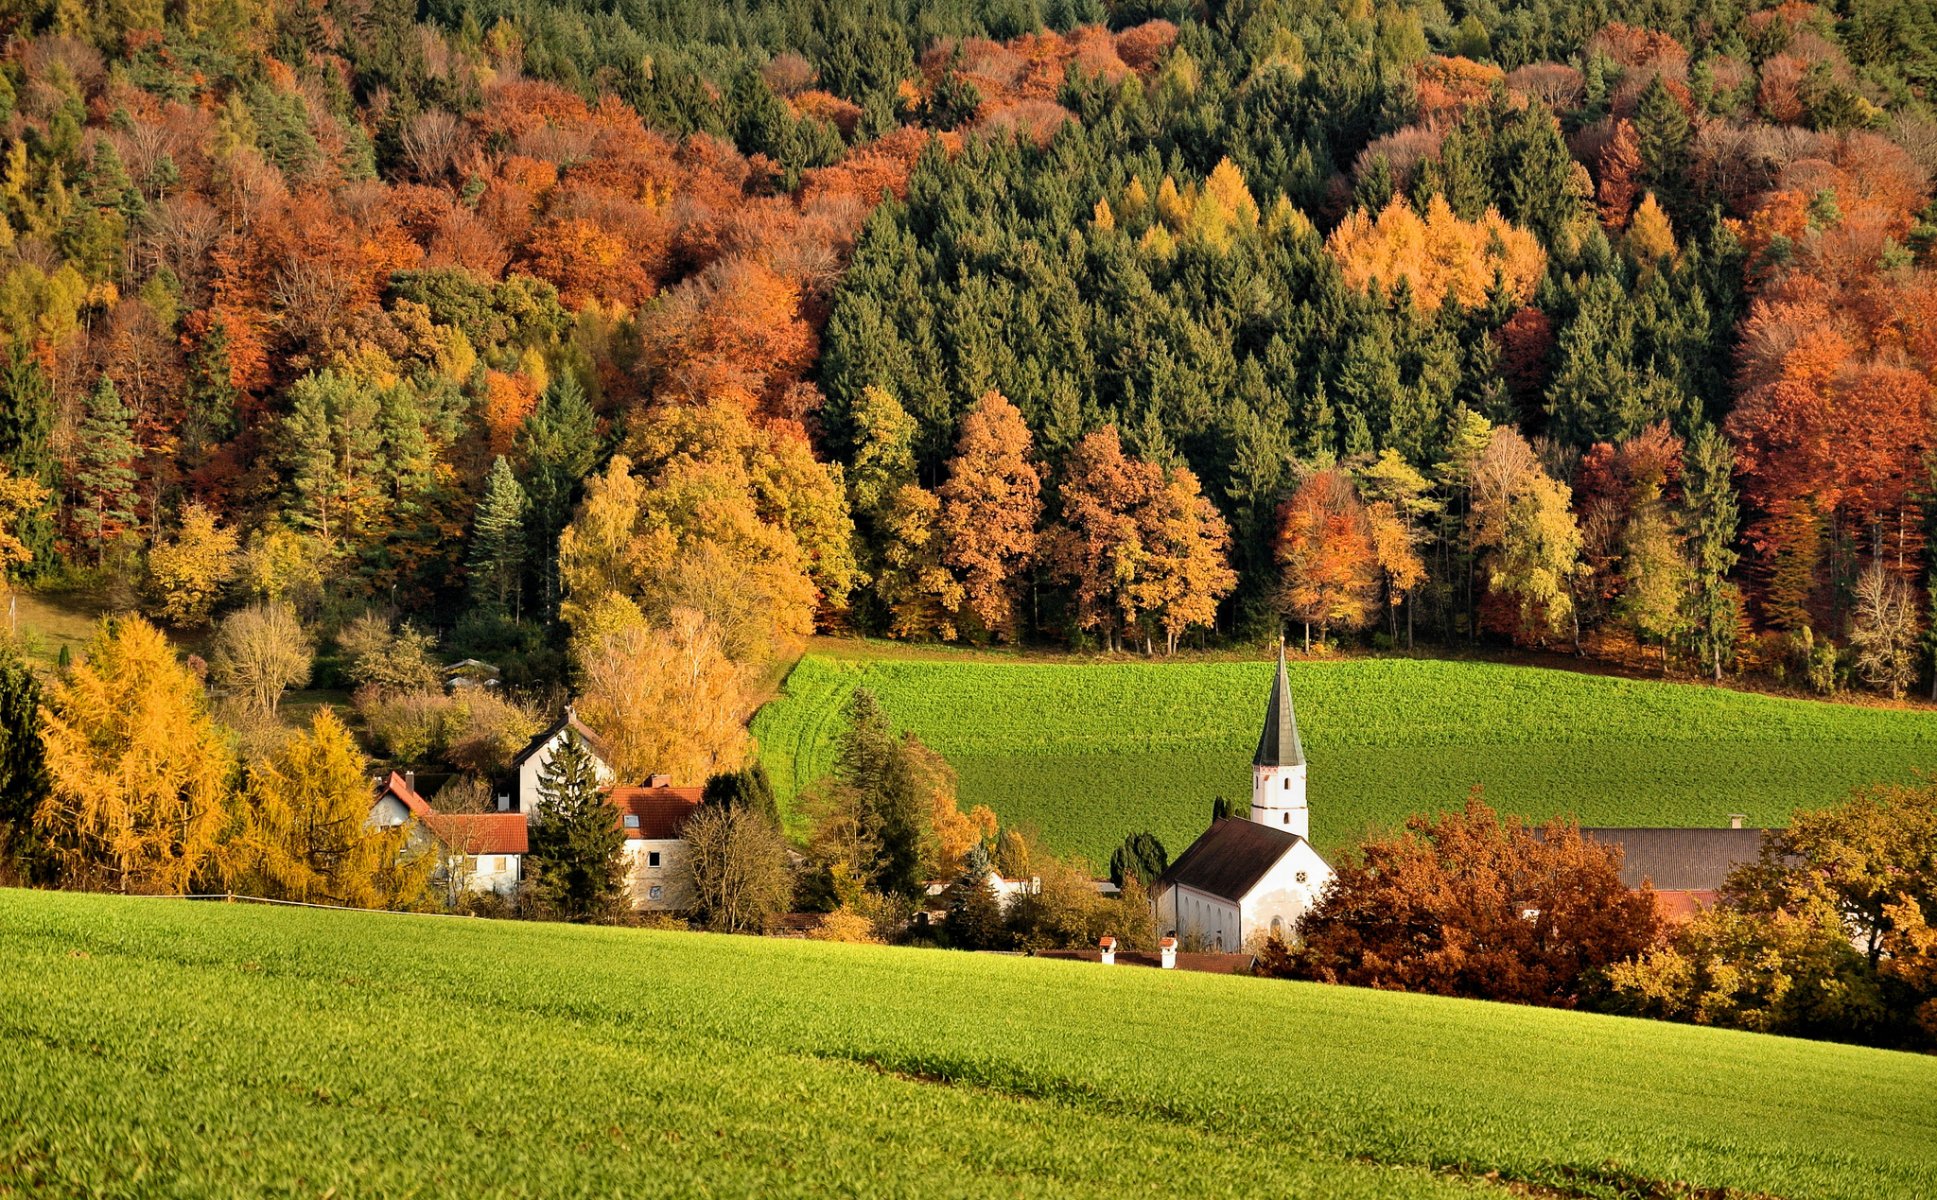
399 787
662 811
479 833
1680 907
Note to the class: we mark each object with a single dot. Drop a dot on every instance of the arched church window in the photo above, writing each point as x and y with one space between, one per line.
1277 927
1287 818
1287 783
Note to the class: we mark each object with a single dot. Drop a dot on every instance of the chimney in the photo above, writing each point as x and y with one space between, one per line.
1108 947
1736 819
1169 948
410 780
659 781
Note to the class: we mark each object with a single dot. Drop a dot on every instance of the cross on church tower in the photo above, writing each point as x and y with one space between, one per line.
1278 768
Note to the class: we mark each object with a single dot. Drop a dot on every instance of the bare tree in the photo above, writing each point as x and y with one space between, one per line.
259 653
739 860
431 142
1884 631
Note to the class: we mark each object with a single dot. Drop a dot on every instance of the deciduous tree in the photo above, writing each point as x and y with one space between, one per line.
191 568
741 879
990 505
1325 544
139 772
259 653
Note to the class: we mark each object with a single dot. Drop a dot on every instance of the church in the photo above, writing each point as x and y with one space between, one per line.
1245 880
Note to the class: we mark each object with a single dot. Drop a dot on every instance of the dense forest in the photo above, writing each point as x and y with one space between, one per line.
622 345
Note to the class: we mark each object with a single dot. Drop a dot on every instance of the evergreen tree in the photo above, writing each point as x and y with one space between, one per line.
974 920
26 429
498 542
559 446
1141 856
747 788
878 770
1709 516
577 843
104 475
210 400
1662 129
23 765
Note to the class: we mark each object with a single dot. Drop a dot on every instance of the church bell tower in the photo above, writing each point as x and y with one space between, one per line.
1278 768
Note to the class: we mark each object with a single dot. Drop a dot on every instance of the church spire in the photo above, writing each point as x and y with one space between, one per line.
1278 745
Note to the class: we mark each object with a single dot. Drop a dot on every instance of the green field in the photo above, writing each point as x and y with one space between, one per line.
158 1047
1086 753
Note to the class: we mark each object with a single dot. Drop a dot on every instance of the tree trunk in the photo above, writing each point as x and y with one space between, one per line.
1308 637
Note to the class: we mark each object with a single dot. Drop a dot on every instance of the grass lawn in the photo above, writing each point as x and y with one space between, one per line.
159 1047
46 621
1086 753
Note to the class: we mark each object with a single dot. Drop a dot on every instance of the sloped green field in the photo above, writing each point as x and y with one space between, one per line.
158 1047
1086 753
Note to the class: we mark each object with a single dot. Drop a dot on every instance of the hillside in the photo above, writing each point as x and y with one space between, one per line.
162 1046
1089 752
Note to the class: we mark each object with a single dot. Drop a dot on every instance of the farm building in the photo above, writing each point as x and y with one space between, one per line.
1686 867
519 791
1246 878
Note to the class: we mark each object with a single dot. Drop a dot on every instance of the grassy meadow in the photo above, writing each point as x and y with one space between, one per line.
1087 752
160 1047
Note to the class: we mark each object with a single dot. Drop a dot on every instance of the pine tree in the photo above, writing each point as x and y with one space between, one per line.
104 477
577 843
974 920
498 542
211 398
747 788
1140 856
23 763
1709 515
559 446
875 768
26 427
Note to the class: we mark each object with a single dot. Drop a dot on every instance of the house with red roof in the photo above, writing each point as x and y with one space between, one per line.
654 818
479 852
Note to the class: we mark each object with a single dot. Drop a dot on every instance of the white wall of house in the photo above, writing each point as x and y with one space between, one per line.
488 872
670 875
530 771
388 812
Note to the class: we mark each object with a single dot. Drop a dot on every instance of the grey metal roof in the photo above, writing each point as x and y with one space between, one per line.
1278 745
1229 858
1680 860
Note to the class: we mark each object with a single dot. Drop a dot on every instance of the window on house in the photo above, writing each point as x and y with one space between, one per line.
1300 877
652 893
632 820
1287 783
652 858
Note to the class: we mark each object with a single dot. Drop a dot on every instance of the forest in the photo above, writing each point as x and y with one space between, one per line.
620 347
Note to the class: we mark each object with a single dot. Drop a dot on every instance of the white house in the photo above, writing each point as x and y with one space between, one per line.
661 862
519 792
480 852
1244 880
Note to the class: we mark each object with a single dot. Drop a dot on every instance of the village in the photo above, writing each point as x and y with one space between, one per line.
1246 881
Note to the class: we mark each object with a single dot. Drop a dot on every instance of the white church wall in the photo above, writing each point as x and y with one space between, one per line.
1285 894
1278 798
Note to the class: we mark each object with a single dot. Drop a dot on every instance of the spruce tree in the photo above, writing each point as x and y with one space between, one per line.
1662 128
974 920
877 769
104 476
26 430
210 398
1709 515
559 445
23 765
577 843
747 788
1140 856
498 542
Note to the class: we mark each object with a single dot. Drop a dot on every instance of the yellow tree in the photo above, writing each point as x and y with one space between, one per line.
923 596
1188 570
191 569
138 769
1399 505
18 498
307 834
668 700
1325 547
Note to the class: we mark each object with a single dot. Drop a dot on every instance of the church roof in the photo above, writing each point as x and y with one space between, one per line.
1229 858
1680 860
1278 745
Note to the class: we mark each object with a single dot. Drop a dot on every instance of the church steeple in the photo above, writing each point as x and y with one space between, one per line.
1278 768
1278 745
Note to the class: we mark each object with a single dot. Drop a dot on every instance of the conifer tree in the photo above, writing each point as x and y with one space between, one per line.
559 446
1709 514
211 399
498 542
23 762
875 768
26 430
577 843
1662 136
974 920
104 475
